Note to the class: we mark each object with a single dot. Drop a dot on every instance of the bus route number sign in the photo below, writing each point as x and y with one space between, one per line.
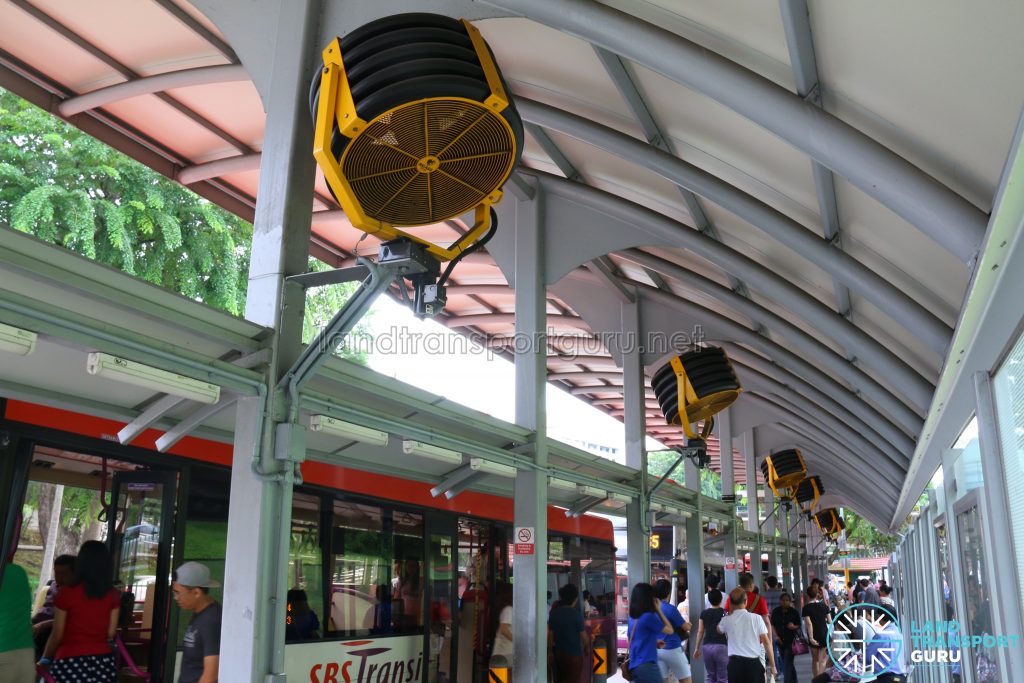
524 540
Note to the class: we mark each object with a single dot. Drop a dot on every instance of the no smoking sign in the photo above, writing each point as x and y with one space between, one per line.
524 540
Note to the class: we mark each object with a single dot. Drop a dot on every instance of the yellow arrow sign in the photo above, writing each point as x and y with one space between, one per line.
497 675
600 661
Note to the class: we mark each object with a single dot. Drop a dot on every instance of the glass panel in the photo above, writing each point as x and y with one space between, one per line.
967 466
946 578
1008 385
978 621
137 530
305 570
440 576
376 571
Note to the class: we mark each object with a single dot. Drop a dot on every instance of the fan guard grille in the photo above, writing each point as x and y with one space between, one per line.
429 161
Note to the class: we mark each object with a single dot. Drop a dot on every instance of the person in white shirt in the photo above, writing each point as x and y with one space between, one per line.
748 643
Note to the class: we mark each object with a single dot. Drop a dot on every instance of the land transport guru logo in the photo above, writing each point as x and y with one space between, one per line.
864 641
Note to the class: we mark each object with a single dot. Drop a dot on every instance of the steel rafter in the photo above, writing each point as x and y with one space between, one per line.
939 212
797 25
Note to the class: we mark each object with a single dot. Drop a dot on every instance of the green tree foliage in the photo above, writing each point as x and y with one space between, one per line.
67 188
864 538
658 463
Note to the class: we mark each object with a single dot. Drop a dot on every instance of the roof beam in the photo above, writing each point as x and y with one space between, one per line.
797 26
666 228
46 94
883 405
890 299
907 381
239 163
652 131
946 217
149 85
127 73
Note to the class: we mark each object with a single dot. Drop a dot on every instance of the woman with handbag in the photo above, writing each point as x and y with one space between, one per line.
786 629
647 625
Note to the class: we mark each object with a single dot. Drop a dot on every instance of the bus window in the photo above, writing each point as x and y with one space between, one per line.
377 571
305 568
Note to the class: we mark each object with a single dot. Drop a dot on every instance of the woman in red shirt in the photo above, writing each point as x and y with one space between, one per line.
85 621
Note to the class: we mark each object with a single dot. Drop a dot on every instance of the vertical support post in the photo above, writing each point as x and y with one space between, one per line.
786 559
638 550
695 565
753 511
529 597
769 530
259 516
1008 613
725 437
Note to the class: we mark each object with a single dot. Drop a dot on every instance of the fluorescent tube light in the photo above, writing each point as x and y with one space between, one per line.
591 491
562 484
329 425
427 450
619 497
16 340
495 468
137 374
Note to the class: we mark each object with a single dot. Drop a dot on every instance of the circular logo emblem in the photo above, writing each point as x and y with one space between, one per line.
864 641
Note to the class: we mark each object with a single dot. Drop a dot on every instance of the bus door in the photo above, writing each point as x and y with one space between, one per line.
140 534
442 572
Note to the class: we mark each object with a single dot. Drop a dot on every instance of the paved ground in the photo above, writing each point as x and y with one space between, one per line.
803 672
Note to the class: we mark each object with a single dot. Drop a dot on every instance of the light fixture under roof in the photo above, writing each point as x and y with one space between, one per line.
330 425
16 340
495 468
147 377
426 450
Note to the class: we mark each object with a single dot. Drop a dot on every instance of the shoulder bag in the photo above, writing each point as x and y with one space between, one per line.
627 675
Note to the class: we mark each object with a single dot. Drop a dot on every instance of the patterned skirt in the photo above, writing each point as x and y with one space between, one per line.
85 669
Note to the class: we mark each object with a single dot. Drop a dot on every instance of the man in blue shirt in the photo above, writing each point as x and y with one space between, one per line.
671 657
567 635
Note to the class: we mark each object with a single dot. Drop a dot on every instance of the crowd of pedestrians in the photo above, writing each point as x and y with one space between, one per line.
72 637
748 635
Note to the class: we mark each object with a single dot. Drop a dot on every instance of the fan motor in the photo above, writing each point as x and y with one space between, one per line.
414 125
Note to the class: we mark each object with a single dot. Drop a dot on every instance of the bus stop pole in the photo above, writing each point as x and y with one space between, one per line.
252 632
529 588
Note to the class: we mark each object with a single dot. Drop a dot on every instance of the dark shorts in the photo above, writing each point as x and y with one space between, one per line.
745 670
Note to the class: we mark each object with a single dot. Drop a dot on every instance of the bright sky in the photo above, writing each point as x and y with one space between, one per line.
430 356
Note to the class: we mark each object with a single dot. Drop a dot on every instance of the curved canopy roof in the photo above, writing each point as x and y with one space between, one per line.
808 186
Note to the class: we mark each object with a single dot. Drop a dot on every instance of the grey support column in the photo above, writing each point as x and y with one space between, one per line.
529 597
787 553
259 516
769 531
638 550
724 421
695 562
1008 612
753 508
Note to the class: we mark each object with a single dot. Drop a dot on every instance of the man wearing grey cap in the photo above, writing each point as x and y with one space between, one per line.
191 588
